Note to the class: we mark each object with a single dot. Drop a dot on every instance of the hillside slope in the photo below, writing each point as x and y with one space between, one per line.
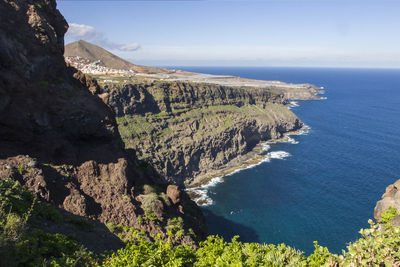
93 53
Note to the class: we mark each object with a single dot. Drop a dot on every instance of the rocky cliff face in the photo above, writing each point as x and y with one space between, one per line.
391 198
59 138
307 92
190 131
158 96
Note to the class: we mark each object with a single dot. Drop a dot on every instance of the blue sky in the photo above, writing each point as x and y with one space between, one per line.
324 33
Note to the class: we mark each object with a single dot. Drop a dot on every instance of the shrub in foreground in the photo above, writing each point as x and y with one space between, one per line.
23 245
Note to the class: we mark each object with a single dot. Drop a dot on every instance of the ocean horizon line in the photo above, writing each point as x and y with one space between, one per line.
280 67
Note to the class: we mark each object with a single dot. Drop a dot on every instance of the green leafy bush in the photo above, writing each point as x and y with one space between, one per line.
149 202
379 246
216 252
23 245
37 247
145 253
389 214
112 227
48 212
13 227
320 256
14 198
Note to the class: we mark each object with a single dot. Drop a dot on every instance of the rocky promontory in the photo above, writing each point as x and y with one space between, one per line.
391 198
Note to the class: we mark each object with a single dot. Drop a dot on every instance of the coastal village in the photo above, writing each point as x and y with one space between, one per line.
95 67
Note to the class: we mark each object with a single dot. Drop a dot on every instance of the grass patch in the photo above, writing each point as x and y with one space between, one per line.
228 122
149 202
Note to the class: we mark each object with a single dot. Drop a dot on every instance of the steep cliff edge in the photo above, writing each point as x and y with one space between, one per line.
59 138
189 132
307 92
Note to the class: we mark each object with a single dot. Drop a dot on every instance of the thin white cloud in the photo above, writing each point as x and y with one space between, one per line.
81 31
130 47
89 33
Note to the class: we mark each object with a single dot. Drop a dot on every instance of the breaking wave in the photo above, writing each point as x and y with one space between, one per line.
200 194
278 155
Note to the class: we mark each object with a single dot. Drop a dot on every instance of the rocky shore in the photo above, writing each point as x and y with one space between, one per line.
198 189
391 198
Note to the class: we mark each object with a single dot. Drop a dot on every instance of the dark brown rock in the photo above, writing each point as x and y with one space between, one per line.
75 203
396 221
174 194
52 113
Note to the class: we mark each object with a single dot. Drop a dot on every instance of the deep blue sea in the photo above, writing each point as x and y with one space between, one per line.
327 189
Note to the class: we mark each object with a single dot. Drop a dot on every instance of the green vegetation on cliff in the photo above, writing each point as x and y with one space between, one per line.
188 131
22 243
159 126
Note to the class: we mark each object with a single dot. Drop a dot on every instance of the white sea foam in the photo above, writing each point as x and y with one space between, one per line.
201 192
213 182
265 146
264 159
292 104
322 87
303 131
278 154
292 141
202 198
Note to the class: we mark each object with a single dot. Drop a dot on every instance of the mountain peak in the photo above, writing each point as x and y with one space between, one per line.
94 53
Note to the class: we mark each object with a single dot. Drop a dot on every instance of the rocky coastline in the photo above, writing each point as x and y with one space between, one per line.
198 189
193 132
192 127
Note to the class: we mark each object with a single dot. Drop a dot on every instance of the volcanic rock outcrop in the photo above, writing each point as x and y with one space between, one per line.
391 198
60 139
